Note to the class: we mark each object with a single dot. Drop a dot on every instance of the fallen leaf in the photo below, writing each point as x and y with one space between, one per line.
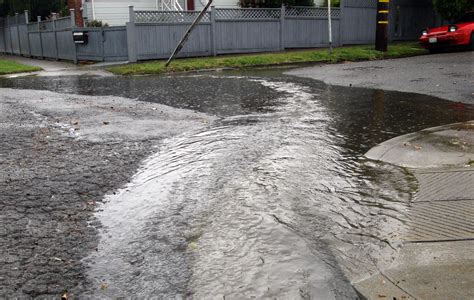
103 286
64 296
106 123
382 296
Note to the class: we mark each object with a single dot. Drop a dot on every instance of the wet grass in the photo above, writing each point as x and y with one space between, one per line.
9 67
351 53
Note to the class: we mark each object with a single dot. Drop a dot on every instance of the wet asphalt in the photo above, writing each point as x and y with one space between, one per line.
445 75
245 184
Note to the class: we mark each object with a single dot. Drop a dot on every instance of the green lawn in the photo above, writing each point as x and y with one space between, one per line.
352 53
8 67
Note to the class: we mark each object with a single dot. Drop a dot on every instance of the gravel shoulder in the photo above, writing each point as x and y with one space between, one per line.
449 75
60 154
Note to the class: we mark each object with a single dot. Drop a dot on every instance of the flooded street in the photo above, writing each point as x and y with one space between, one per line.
274 199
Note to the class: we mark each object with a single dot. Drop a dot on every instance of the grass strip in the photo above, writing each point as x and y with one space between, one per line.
351 53
9 67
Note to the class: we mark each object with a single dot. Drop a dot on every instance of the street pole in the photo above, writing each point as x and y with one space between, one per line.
381 35
188 32
330 26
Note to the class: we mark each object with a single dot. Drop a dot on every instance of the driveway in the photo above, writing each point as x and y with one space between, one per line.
448 75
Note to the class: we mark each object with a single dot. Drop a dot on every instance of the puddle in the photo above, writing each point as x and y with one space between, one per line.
273 200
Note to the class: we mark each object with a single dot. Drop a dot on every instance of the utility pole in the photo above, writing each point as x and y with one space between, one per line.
381 35
330 26
188 32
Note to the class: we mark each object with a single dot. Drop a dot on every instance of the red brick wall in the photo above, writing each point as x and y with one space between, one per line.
76 5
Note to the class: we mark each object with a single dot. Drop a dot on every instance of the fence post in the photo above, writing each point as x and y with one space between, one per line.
131 34
282 27
27 20
213 31
40 36
55 36
18 32
341 22
72 14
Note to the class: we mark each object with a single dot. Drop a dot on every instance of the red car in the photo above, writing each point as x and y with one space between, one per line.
460 34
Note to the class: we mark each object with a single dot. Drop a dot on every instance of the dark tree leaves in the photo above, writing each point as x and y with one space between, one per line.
453 9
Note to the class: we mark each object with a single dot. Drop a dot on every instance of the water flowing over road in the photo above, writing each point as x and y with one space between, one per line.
273 200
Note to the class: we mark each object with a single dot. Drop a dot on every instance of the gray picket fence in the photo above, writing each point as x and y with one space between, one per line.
154 34
53 39
43 39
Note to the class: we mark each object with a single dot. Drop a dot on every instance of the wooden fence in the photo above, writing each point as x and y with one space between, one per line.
154 34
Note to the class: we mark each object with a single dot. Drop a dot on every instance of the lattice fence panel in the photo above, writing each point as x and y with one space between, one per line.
361 3
46 25
311 12
63 23
245 14
146 16
33 27
12 20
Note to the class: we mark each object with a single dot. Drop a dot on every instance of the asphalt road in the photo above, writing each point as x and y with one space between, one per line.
59 155
448 75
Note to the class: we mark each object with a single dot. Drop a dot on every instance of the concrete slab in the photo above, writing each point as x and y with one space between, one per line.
435 270
443 146
380 287
56 68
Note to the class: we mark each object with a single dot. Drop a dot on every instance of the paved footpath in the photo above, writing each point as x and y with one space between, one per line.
448 75
437 260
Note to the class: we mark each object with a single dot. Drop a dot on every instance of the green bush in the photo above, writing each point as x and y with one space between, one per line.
334 3
96 23
453 9
274 3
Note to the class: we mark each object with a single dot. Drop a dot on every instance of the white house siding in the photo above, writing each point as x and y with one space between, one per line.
114 12
199 4
318 2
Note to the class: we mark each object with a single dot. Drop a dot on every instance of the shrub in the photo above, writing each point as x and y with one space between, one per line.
96 23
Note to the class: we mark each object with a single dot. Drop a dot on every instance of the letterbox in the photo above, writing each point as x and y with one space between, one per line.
80 37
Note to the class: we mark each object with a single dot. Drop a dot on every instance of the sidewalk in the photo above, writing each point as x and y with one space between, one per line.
57 68
437 260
